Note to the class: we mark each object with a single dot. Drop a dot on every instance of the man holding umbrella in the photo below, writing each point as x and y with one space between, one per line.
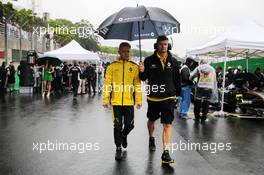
161 70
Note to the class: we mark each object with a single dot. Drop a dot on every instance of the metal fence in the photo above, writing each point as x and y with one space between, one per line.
2 28
14 31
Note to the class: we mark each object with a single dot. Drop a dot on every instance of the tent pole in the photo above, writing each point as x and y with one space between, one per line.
223 85
247 59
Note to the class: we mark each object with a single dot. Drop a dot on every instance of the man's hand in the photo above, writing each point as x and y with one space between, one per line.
106 105
139 106
141 67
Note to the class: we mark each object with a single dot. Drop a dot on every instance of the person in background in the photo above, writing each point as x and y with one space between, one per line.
206 89
48 78
238 69
100 79
11 77
229 76
91 75
105 67
81 89
58 79
219 76
3 77
219 79
94 81
186 85
65 77
37 77
75 72
260 77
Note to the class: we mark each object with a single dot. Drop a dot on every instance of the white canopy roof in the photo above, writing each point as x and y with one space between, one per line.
73 51
245 38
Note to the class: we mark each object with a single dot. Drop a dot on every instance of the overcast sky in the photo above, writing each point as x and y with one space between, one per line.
201 20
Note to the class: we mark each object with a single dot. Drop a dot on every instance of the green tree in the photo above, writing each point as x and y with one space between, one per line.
63 32
24 18
86 36
8 10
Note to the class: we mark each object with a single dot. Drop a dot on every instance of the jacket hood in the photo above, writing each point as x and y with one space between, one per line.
205 68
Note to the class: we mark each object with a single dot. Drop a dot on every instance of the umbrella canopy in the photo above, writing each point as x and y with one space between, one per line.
54 61
136 23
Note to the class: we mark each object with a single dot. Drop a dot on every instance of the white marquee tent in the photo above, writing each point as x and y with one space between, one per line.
247 37
245 40
73 51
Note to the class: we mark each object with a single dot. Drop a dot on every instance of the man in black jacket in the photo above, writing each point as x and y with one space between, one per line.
75 72
91 78
161 71
65 77
186 88
11 77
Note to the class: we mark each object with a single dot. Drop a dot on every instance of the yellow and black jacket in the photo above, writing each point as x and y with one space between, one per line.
122 84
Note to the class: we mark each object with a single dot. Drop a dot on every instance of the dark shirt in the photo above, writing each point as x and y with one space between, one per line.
185 75
162 82
90 71
75 71
3 74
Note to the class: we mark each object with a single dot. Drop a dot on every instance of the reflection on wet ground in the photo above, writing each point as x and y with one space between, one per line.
25 120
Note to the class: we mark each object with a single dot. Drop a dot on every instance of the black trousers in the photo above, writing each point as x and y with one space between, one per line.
201 102
58 84
123 117
201 106
2 89
75 85
91 83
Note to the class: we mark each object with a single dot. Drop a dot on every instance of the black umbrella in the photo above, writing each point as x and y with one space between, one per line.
136 23
54 61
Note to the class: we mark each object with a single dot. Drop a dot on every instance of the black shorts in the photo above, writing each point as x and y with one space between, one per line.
161 109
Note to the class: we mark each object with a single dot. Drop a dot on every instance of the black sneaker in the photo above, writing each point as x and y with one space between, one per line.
165 158
204 119
196 119
152 146
124 141
118 154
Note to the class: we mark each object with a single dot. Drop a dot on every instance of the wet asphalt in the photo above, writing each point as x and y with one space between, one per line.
27 121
